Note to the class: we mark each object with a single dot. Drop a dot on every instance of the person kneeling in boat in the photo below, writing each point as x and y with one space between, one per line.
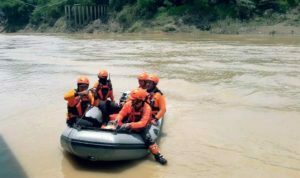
103 88
78 100
142 78
103 95
136 117
156 98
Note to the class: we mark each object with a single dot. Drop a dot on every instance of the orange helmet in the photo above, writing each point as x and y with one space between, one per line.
103 73
154 78
138 94
83 80
143 76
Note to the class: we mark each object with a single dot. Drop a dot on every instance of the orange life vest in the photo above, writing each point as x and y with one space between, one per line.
138 119
151 100
104 91
77 106
135 116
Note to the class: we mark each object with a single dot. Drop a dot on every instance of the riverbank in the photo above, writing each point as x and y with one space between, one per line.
227 26
270 23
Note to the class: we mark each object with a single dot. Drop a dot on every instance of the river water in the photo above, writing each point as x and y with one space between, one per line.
233 103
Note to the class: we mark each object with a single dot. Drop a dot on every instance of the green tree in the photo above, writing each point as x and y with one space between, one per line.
47 11
16 13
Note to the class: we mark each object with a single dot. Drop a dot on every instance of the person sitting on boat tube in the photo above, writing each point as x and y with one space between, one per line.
136 117
78 100
142 80
156 98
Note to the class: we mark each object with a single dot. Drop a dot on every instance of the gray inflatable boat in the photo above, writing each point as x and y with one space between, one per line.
103 144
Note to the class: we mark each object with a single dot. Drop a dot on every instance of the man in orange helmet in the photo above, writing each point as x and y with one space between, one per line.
78 100
103 88
156 98
103 95
142 80
136 116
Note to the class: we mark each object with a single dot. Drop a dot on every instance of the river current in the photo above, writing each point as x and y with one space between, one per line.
233 102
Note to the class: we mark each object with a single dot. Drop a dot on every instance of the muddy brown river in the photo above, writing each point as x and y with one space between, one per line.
233 103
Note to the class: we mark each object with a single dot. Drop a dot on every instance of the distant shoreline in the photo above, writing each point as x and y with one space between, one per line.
213 17
229 26
221 27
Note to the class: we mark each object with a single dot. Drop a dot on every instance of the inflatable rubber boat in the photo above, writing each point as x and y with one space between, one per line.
98 144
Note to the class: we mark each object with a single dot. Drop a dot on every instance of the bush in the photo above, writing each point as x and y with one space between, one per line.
127 16
169 28
118 5
293 3
245 8
223 11
147 8
201 4
277 5
47 14
178 10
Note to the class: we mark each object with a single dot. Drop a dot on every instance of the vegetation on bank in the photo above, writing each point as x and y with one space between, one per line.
165 15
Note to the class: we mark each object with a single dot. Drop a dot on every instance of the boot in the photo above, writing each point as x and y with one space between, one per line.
159 158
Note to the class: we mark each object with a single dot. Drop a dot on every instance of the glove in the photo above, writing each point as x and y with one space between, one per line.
125 127
154 121
113 123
